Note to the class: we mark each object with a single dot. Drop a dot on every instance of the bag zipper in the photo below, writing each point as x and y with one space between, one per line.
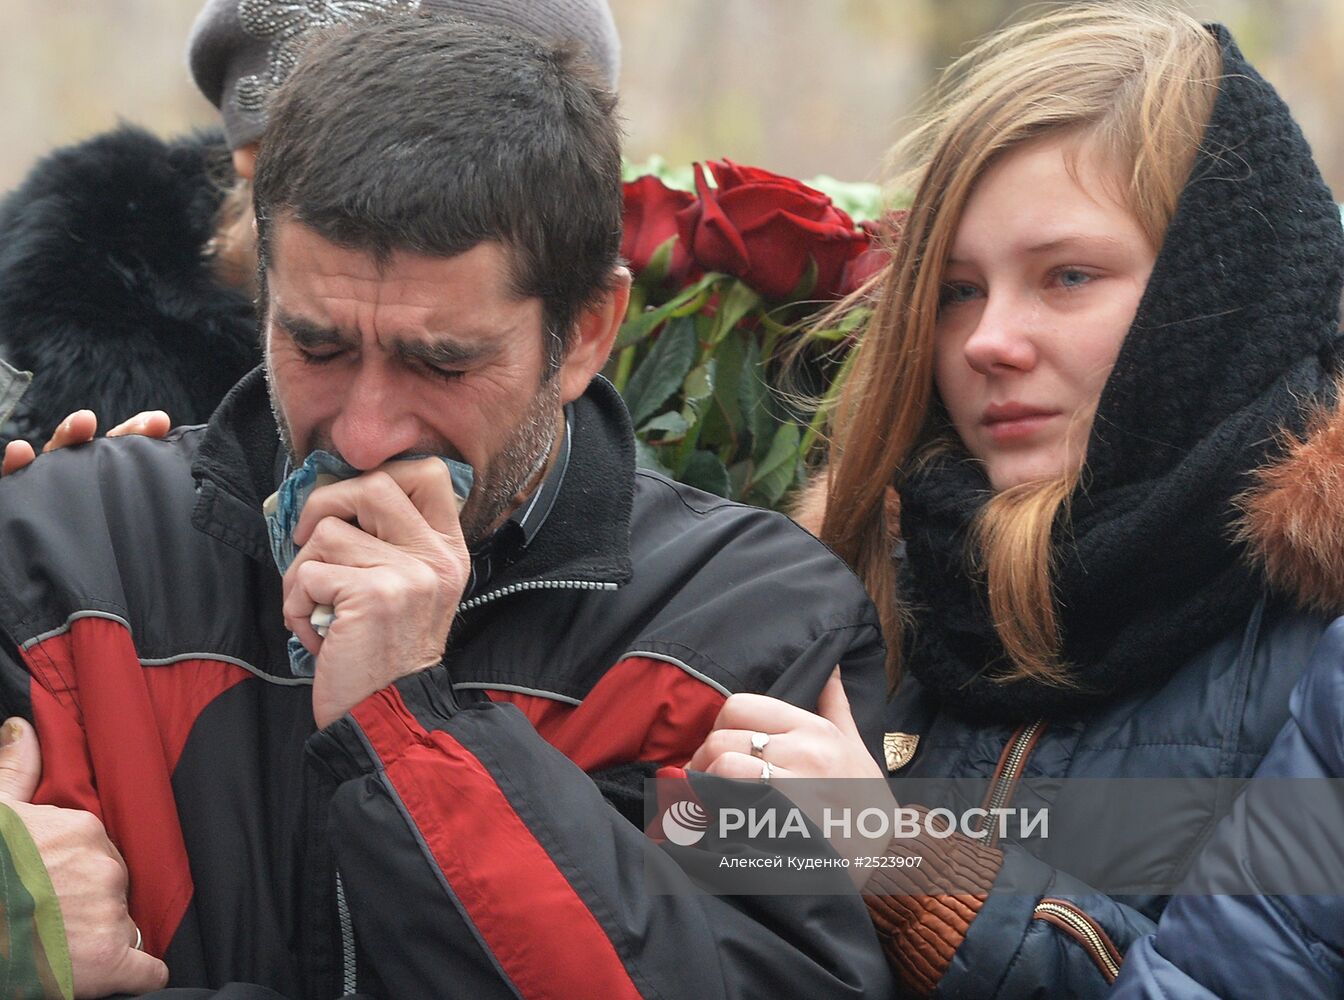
349 974
1058 912
1011 765
1083 929
517 588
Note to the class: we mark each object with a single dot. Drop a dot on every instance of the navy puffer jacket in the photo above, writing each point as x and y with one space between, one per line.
1261 946
1053 934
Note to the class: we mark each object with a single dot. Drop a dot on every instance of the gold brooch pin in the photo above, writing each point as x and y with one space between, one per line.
900 749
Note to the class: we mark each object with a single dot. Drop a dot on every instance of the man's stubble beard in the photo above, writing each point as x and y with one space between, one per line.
514 471
499 489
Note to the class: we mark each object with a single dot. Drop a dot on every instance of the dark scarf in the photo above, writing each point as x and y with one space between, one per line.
1233 339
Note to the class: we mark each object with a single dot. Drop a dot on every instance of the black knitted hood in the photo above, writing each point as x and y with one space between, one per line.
1232 348
1245 289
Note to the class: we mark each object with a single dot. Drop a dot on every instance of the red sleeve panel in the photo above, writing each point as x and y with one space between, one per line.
111 732
555 891
542 934
643 709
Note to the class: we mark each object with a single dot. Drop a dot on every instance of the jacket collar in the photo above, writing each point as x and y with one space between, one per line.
237 466
585 537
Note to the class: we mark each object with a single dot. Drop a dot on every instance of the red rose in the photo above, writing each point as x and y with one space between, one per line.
766 229
650 221
881 237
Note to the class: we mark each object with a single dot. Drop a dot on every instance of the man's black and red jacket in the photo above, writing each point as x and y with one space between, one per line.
463 807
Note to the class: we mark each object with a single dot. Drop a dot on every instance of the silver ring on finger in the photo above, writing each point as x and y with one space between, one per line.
759 741
139 938
767 772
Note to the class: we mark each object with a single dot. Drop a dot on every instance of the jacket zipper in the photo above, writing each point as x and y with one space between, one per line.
1093 940
517 588
1011 765
349 974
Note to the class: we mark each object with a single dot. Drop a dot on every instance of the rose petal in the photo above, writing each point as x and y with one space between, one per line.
713 241
649 218
781 245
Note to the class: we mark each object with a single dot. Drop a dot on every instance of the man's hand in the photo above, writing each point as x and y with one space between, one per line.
86 872
79 427
385 551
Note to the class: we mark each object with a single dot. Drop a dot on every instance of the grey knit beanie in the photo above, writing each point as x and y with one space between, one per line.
241 50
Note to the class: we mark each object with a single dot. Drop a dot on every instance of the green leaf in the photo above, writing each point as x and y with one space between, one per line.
656 269
647 458
697 302
752 394
723 421
619 366
830 335
672 424
704 471
861 200
697 390
779 469
772 325
661 371
689 300
739 478
855 318
737 300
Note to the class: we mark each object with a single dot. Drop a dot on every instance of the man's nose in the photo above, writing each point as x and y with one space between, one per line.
375 423
1003 339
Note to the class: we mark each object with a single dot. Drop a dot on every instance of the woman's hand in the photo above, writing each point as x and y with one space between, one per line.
801 744
79 427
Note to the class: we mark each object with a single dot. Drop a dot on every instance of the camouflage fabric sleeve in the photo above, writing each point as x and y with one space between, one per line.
34 958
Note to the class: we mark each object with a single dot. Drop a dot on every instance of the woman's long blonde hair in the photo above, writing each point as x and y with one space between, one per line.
1137 81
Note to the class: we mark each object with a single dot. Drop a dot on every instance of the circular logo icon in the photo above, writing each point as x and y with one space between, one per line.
685 823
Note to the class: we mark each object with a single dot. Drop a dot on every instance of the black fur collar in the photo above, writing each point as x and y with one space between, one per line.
105 293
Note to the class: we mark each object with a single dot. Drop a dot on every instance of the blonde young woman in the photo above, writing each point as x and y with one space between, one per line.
1087 466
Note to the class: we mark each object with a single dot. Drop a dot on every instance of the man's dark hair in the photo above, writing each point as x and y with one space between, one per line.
434 135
